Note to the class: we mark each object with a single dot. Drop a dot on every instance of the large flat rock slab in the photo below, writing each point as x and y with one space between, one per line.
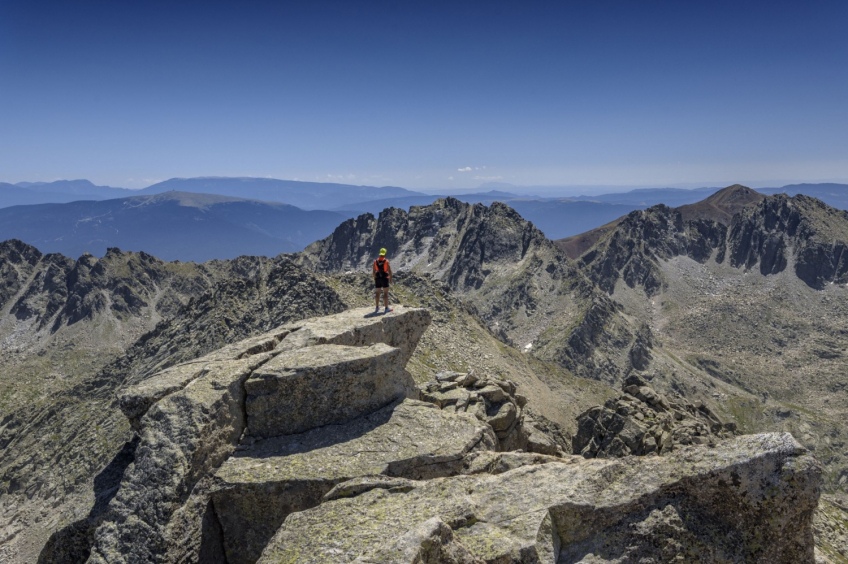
359 327
136 400
261 484
749 499
323 385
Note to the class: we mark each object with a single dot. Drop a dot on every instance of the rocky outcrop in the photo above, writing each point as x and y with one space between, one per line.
191 418
642 421
361 472
494 402
269 479
807 231
750 499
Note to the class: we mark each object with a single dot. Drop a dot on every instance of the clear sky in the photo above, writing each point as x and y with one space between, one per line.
425 93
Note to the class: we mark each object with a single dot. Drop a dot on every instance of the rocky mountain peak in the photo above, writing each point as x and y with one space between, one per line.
500 262
723 205
738 222
802 230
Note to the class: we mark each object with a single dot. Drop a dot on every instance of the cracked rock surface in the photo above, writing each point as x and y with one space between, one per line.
191 418
750 499
266 481
364 473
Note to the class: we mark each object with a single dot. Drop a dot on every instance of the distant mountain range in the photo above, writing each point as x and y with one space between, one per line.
59 192
232 216
172 225
305 195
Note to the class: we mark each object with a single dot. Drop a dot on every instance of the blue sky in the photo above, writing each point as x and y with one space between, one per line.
428 94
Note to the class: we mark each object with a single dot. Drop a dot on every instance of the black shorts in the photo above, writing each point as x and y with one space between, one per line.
381 282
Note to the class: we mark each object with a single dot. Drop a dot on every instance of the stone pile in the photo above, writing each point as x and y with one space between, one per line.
642 421
493 401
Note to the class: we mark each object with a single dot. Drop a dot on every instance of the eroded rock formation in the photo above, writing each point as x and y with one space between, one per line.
495 402
309 444
192 417
642 421
749 500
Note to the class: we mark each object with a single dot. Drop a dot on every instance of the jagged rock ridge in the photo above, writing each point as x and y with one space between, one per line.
735 224
520 284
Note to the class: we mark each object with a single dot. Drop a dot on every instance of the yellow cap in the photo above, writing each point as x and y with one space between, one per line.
382 251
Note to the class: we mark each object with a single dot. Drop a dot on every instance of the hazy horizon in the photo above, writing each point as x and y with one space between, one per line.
518 189
438 96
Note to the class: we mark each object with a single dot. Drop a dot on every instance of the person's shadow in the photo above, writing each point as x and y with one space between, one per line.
374 314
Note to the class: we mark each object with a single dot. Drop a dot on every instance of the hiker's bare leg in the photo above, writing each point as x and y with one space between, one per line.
377 298
385 297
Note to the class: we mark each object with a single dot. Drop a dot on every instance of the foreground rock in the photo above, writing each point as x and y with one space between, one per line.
264 482
307 444
750 499
642 421
191 418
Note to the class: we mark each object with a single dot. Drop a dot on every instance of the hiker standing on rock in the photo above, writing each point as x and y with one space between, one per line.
382 278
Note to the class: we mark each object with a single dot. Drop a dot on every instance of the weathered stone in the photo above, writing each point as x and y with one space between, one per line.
430 542
358 486
750 499
261 485
190 418
323 385
493 393
183 437
494 401
541 443
643 421
489 462
136 400
503 417
447 376
356 328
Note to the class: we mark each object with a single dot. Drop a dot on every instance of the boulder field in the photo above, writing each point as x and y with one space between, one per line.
311 443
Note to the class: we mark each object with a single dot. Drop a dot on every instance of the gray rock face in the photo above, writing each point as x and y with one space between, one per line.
750 499
220 477
495 402
808 229
642 421
264 482
757 231
322 385
191 418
